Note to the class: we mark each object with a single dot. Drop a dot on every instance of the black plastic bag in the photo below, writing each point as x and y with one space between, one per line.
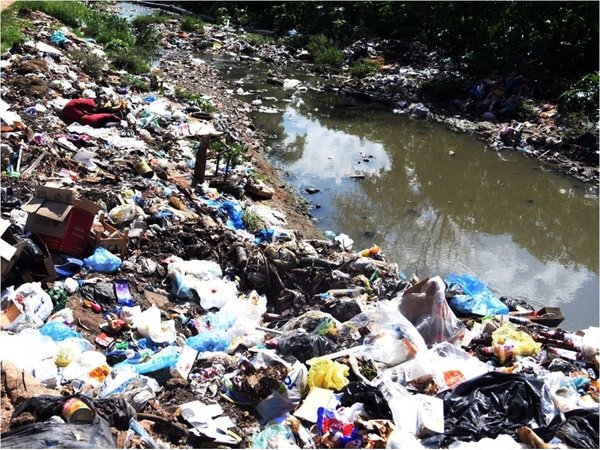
60 435
371 397
580 430
304 346
492 404
117 411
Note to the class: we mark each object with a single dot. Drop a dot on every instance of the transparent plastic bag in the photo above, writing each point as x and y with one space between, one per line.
425 306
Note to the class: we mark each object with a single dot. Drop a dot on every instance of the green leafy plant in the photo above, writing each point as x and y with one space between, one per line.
582 97
252 221
362 68
205 104
135 82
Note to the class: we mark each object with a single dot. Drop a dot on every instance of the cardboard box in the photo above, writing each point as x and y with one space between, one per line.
9 315
105 235
60 220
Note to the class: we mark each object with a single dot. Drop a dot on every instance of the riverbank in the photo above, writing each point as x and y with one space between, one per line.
184 314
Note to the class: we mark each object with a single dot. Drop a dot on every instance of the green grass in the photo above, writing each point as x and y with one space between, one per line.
192 25
130 47
362 68
144 21
10 34
258 39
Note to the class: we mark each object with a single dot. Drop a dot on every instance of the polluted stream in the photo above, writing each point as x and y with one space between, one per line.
435 201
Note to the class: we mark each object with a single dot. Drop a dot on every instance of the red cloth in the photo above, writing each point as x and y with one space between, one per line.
81 110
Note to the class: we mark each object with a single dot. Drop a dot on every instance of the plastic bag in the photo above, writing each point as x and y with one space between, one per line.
58 331
149 324
35 306
234 212
167 357
477 298
38 348
304 346
580 430
83 365
341 435
69 349
274 436
392 339
124 213
425 306
328 374
200 269
215 293
60 435
508 341
252 307
493 404
371 397
102 261
216 341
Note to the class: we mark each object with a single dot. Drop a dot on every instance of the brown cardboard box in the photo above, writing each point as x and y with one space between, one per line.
105 235
9 315
60 220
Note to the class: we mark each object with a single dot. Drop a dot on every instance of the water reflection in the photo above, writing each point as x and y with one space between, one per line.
526 232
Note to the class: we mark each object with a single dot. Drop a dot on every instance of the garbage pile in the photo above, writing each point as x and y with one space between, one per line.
143 308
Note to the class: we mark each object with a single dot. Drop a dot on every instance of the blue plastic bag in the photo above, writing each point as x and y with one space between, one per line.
58 37
209 342
234 212
477 298
167 357
102 261
58 331
180 288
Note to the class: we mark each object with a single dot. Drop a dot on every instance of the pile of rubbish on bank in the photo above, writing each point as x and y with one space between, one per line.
140 311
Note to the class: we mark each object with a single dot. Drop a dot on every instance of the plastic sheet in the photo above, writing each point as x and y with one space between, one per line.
425 306
493 404
477 298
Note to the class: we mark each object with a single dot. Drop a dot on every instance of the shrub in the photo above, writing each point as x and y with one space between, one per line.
192 25
131 61
200 101
582 98
362 68
89 62
324 52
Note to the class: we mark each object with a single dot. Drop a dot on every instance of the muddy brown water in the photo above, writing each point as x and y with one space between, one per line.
527 232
